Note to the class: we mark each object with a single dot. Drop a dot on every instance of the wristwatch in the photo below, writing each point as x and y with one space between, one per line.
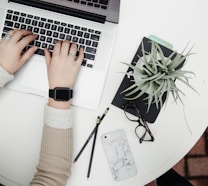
61 93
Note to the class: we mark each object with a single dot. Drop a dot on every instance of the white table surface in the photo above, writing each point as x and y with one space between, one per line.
176 130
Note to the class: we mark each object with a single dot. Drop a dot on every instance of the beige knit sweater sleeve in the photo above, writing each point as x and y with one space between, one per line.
55 158
56 148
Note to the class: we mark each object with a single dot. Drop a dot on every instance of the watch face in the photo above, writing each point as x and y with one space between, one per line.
62 94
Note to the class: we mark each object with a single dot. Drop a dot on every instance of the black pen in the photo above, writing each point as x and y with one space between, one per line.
93 146
90 136
85 144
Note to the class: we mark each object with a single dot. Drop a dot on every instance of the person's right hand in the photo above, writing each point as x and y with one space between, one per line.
63 67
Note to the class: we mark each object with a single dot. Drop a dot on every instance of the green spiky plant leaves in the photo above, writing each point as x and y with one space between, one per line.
156 75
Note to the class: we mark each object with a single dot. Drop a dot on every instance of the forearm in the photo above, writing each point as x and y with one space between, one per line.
56 149
5 77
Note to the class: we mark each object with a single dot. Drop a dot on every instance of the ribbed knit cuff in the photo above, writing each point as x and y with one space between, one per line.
5 76
58 118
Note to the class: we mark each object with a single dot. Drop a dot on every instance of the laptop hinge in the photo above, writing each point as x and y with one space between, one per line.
63 10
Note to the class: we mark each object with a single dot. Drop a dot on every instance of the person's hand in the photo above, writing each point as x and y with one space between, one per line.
11 50
63 66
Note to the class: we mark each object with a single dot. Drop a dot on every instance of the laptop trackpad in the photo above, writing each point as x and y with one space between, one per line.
35 76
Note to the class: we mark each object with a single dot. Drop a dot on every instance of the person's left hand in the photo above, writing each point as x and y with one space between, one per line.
11 50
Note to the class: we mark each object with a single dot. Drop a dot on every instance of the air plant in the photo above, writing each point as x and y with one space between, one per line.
156 74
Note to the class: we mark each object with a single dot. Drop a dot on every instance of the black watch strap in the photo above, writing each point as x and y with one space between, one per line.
61 93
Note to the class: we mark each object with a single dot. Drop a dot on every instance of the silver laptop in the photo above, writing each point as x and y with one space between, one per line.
91 24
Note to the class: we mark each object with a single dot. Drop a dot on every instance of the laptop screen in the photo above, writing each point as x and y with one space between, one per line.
95 10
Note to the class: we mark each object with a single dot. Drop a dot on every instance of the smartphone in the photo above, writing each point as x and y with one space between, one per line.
119 155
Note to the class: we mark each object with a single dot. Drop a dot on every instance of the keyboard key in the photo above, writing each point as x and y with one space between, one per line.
49 33
95 44
88 42
84 62
53 27
55 41
23 14
68 37
96 5
10 11
28 21
81 41
36 17
60 29
42 38
34 23
66 30
50 20
6 29
97 32
90 4
50 47
55 34
86 35
94 37
40 52
62 36
37 43
73 32
29 28
91 50
70 26
83 2
21 19
75 39
44 45
77 27
57 22
41 24
42 31
47 26
43 19
90 30
89 56
80 33
49 40
8 16
30 16
23 27
63 24
8 23
36 30
14 18
16 13
84 29
89 65
105 2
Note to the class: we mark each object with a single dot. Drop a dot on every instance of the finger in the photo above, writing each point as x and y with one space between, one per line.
47 56
57 48
18 34
12 31
65 48
73 50
28 54
80 56
26 40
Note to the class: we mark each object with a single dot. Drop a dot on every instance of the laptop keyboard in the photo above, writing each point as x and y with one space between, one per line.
50 31
103 4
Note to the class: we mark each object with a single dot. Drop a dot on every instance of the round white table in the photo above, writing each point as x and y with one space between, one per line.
176 130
